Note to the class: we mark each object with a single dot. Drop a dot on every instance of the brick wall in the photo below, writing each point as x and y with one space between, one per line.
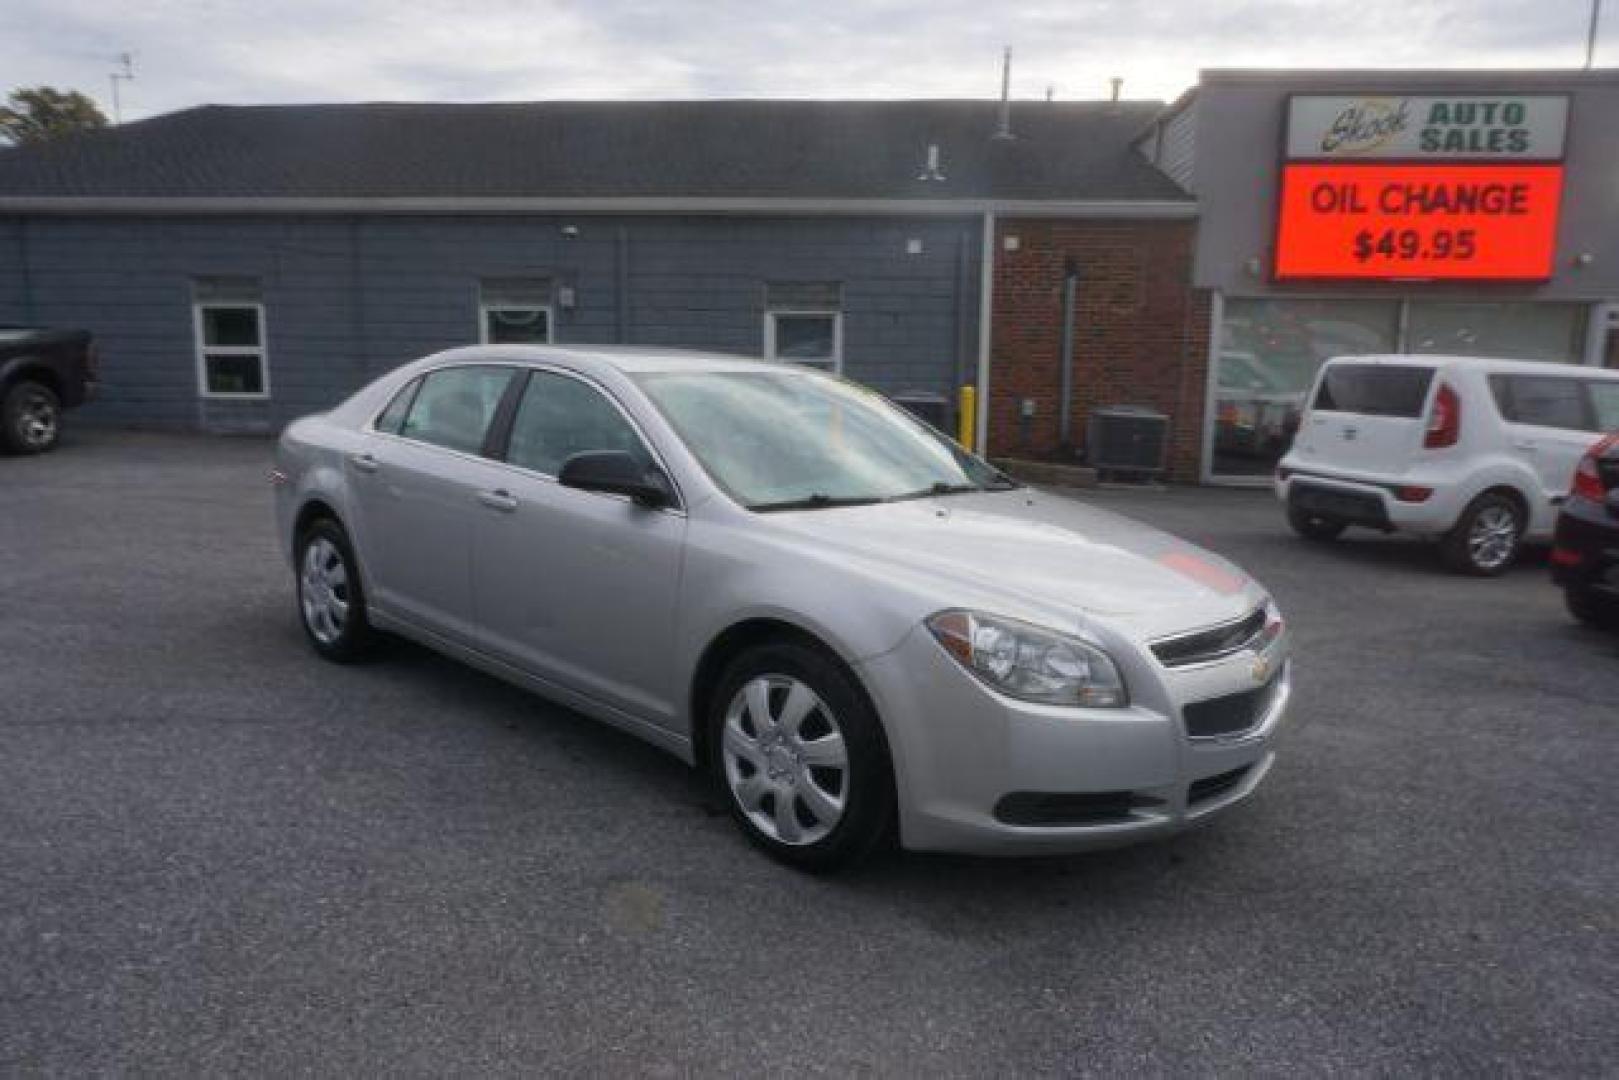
1141 331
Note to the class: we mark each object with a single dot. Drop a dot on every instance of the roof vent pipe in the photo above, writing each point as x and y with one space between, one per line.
932 170
1003 126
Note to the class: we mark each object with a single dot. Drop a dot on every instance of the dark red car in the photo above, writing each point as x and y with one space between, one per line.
1585 551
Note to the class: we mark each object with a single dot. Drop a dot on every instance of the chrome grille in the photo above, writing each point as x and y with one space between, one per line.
1201 646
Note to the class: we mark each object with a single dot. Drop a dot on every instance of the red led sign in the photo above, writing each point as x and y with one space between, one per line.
1436 222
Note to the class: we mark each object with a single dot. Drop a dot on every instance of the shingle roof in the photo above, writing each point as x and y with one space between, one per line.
693 149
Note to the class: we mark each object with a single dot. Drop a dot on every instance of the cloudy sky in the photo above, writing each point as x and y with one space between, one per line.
190 52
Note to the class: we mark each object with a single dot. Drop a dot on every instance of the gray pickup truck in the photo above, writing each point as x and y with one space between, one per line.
42 372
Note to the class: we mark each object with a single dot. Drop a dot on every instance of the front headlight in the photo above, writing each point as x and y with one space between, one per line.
1029 662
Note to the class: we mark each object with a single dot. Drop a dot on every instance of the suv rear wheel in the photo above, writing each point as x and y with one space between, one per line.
1314 526
30 417
1486 538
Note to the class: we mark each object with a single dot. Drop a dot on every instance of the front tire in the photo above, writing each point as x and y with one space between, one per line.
331 600
799 754
1486 539
30 418
1315 526
1590 608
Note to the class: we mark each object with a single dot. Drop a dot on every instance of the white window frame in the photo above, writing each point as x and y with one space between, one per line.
485 308
834 363
261 351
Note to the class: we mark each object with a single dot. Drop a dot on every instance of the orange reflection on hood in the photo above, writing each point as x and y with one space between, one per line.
1203 572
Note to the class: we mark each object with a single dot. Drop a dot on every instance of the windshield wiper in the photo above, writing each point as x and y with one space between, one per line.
817 501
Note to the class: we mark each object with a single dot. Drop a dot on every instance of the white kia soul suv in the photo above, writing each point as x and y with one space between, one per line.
1476 453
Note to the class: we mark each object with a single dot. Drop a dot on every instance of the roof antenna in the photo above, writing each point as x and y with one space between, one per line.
126 61
1117 83
1003 126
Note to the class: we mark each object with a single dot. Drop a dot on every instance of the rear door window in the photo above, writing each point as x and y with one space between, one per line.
454 407
1374 389
1605 404
1543 401
394 414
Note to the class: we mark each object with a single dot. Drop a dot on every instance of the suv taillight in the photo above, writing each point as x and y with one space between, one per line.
1445 424
1588 477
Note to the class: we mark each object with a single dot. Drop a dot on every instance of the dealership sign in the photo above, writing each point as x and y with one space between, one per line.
1427 188
1412 128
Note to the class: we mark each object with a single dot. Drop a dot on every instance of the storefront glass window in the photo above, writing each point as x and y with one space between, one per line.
1512 329
1270 351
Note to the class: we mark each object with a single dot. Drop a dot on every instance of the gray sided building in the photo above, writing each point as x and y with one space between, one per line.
241 266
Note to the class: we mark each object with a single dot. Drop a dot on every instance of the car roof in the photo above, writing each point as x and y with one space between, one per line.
631 359
1481 363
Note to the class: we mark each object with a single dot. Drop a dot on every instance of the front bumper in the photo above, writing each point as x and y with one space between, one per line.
979 772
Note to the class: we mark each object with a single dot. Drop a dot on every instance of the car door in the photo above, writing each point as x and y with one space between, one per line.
573 586
416 485
1550 422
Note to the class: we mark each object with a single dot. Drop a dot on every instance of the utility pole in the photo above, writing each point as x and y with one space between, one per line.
126 62
1591 34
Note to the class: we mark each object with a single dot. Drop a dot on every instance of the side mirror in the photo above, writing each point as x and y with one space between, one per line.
617 473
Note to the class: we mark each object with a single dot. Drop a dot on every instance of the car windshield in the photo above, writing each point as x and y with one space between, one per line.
800 440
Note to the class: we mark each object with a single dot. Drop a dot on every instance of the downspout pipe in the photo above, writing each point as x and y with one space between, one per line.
1070 289
986 328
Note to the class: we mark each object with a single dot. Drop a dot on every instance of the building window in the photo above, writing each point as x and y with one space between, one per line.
515 311
1270 351
232 361
804 323
1514 330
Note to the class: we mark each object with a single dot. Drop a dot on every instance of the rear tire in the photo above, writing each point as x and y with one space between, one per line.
1486 539
1315 526
30 417
810 781
331 600
1591 608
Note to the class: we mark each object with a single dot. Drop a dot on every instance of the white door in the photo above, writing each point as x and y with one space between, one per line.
1551 422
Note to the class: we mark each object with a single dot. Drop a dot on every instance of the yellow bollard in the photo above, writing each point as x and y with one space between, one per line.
968 416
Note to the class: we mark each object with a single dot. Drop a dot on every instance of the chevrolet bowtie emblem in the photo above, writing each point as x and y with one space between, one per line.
1261 668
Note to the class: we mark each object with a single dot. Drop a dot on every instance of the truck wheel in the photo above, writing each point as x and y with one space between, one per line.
1314 526
1485 540
30 418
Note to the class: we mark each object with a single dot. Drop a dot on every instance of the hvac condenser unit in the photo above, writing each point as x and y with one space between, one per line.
1128 439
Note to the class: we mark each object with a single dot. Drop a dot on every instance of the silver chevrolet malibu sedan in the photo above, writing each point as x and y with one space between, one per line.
855 626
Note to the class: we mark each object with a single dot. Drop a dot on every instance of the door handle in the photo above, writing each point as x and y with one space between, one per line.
1524 444
363 461
498 499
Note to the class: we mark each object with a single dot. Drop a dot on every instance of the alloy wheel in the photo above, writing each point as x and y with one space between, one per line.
1493 537
324 590
785 760
37 420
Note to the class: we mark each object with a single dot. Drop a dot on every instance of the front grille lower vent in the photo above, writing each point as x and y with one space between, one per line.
1231 714
1049 809
1201 646
1212 787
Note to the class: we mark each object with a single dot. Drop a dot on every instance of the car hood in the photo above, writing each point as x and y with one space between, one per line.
1043 551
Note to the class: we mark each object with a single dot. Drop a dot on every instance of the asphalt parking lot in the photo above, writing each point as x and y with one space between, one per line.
218 854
